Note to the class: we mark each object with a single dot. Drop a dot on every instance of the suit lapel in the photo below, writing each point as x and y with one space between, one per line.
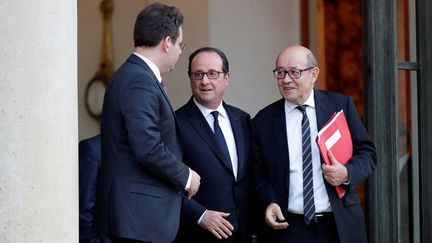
138 61
280 133
201 126
238 137
323 109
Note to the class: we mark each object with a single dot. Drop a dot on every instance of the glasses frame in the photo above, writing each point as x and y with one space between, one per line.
183 46
206 74
289 75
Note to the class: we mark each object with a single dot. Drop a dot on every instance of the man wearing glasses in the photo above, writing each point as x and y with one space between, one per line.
216 144
296 190
142 178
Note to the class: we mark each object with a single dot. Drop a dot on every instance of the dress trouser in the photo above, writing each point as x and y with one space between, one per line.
322 229
115 239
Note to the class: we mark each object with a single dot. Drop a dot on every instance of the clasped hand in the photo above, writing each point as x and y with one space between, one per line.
216 223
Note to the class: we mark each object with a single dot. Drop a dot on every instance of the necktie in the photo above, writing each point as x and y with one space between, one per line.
219 136
308 197
164 87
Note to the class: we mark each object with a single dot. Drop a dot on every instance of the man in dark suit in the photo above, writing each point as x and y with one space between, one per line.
142 176
304 207
89 164
219 212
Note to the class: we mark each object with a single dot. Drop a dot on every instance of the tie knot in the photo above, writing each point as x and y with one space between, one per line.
302 108
215 114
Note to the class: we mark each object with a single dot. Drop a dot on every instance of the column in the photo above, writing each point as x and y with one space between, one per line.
38 125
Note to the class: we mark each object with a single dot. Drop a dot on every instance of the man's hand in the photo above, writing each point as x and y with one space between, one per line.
336 173
195 183
216 223
273 214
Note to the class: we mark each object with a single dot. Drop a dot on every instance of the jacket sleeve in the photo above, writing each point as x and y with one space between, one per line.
151 125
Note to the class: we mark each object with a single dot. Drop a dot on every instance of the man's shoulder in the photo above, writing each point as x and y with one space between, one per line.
95 140
273 109
235 110
330 95
185 109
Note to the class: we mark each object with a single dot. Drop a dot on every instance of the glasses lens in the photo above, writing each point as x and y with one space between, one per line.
279 73
294 73
213 74
196 75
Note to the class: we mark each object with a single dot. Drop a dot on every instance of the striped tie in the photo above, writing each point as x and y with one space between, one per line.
308 197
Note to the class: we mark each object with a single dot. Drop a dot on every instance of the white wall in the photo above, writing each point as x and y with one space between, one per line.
196 34
250 32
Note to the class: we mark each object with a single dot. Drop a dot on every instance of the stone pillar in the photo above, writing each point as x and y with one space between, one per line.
38 121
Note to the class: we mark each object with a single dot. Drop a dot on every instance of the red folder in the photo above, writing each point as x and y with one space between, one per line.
335 136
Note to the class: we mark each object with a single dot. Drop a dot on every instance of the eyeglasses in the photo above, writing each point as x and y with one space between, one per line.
212 75
293 73
183 46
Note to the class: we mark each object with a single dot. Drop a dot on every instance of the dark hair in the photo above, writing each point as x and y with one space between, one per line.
155 22
225 64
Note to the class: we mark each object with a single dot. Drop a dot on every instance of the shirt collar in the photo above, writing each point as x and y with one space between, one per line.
152 66
206 111
310 101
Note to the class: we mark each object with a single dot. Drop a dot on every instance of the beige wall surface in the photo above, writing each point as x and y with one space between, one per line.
89 47
250 32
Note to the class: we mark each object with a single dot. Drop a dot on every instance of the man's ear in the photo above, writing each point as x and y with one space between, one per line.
227 78
166 43
315 73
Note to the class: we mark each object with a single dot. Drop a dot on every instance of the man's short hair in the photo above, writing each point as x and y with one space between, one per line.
155 22
225 63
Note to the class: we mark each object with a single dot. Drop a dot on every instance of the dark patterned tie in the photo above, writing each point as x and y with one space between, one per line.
219 136
164 87
308 197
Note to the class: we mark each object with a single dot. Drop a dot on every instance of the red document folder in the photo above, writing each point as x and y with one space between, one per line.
335 136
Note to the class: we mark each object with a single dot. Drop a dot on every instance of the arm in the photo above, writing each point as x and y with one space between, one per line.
89 160
210 220
152 134
266 194
363 161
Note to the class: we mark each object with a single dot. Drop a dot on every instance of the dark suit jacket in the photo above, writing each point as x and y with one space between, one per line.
272 167
218 190
142 175
89 164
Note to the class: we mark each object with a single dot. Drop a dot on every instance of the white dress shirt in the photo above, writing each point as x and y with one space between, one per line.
294 134
225 125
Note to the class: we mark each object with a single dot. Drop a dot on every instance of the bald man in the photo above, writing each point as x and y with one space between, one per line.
297 191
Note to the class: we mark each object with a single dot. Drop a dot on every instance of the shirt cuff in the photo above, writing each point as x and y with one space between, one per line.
189 180
202 215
